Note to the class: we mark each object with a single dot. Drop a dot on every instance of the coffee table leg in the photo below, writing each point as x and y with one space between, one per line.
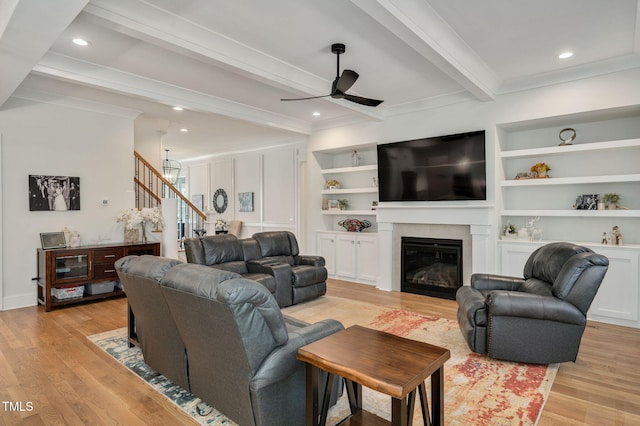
400 409
311 414
326 399
437 397
354 392
422 394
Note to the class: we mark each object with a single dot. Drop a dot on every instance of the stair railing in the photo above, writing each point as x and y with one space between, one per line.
150 187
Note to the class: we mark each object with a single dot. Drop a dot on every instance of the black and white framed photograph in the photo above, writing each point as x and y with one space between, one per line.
54 193
587 202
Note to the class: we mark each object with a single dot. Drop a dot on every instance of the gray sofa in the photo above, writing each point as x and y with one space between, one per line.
241 349
536 319
271 258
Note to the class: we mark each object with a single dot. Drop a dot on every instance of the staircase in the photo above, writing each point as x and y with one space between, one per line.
151 187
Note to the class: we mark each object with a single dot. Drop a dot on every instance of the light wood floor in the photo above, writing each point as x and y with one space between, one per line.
52 374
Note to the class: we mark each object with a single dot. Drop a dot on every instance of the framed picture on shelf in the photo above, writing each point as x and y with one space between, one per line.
334 205
587 202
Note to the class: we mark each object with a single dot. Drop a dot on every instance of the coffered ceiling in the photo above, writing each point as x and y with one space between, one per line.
228 63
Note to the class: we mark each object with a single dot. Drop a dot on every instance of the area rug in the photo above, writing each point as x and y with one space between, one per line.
478 390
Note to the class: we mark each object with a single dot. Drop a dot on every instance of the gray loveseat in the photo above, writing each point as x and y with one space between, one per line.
271 258
240 350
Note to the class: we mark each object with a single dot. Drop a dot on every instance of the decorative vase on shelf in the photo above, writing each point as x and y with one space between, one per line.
131 235
542 173
143 225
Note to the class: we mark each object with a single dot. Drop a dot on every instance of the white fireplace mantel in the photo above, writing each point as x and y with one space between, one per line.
479 218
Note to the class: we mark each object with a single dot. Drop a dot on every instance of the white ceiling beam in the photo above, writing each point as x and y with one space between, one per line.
420 27
157 26
91 74
28 28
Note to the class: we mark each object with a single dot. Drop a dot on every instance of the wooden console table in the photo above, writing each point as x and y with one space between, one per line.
383 362
83 266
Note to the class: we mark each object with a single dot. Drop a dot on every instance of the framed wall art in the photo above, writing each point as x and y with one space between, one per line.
245 201
54 193
198 201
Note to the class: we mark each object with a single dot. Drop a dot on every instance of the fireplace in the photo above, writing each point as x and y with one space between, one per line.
431 266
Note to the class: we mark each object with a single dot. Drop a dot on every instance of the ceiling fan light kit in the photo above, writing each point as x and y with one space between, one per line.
342 83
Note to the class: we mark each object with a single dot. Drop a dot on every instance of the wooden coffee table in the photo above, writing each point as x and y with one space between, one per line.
380 361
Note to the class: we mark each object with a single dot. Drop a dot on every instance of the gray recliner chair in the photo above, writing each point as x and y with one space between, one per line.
242 351
152 324
537 319
309 274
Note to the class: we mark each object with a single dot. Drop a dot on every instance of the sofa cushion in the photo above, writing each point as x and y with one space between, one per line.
279 259
304 275
238 266
265 279
276 243
221 249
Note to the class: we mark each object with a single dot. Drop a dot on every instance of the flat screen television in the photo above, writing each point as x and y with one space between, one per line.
443 168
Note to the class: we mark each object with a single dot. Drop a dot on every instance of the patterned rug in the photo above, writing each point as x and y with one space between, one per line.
478 390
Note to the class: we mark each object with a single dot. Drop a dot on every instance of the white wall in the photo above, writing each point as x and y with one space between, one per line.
604 92
272 175
48 139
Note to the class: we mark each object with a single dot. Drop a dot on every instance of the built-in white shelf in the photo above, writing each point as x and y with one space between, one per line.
355 169
572 180
371 190
349 212
572 213
569 149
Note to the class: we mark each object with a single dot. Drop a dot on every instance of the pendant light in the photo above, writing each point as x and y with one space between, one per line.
171 169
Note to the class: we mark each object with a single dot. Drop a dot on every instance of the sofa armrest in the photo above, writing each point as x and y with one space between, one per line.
283 275
485 282
309 260
526 305
283 361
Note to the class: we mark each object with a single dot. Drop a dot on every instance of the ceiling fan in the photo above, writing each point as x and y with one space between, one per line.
342 83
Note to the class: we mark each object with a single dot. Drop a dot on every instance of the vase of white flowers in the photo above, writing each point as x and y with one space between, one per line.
135 219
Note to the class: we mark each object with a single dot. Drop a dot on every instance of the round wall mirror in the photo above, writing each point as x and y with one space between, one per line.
220 200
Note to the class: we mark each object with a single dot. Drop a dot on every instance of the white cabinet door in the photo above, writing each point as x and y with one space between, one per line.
326 247
367 258
513 258
346 256
617 296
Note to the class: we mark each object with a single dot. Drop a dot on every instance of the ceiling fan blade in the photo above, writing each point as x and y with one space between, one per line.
305 99
345 81
363 101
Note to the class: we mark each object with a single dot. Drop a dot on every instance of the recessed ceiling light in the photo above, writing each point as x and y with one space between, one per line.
184 130
178 108
565 55
316 113
81 42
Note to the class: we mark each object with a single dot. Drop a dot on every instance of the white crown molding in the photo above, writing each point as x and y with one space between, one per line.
613 65
431 103
419 26
114 80
49 97
165 29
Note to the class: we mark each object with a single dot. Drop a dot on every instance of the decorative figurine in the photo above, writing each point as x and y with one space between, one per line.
604 238
616 236
355 159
